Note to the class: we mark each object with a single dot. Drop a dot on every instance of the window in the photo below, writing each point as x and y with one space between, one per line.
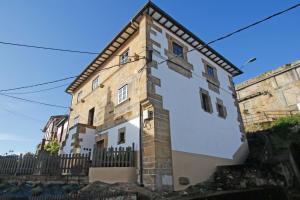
122 94
221 108
79 96
91 117
76 120
121 138
210 71
205 101
95 83
177 50
124 57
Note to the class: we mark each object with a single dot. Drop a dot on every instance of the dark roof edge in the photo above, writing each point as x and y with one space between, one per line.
98 56
196 37
154 6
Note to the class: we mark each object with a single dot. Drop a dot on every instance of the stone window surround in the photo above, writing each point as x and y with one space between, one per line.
104 137
120 132
213 82
79 97
124 97
95 83
219 102
122 59
205 92
231 83
176 63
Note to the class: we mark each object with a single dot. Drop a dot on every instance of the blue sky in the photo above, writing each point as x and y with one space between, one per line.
90 25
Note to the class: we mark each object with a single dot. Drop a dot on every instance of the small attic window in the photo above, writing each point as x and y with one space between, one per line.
95 83
124 57
177 50
79 96
210 71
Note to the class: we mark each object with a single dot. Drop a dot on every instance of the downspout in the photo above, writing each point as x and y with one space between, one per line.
141 146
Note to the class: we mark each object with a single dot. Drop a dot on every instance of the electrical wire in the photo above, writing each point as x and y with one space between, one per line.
35 85
37 91
47 48
20 114
33 101
50 48
236 31
38 84
59 80
169 59
254 24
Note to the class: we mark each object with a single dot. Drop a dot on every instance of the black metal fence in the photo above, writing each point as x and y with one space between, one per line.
45 164
114 157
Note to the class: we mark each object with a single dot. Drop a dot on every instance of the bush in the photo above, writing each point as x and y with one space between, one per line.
286 122
52 147
283 132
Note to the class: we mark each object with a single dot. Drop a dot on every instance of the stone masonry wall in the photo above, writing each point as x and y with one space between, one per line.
108 113
157 154
276 90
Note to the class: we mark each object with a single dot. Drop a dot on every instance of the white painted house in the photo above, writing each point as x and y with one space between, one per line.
174 100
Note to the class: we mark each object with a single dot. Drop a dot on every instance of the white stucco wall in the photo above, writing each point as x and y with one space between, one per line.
88 141
203 133
131 134
67 148
63 138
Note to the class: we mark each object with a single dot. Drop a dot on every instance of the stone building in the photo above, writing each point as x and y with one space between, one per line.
271 95
156 86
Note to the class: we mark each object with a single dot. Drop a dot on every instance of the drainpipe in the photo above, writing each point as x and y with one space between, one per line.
141 147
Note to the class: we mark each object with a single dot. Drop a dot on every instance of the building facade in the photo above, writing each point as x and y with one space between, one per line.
271 95
55 129
158 87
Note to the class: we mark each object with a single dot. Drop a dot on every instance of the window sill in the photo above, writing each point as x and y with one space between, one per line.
122 103
210 112
179 60
211 79
223 117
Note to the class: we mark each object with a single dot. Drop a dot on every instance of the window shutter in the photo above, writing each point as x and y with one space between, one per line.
210 105
225 111
201 99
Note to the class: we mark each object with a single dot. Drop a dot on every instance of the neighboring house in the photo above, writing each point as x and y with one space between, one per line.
62 130
270 95
52 129
184 110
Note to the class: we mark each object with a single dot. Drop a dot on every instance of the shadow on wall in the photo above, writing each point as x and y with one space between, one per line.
108 114
116 118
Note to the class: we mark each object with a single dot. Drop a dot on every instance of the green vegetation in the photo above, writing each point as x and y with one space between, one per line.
284 131
52 147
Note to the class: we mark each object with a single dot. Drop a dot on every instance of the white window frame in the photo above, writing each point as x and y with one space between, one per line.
79 96
124 57
123 93
95 83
